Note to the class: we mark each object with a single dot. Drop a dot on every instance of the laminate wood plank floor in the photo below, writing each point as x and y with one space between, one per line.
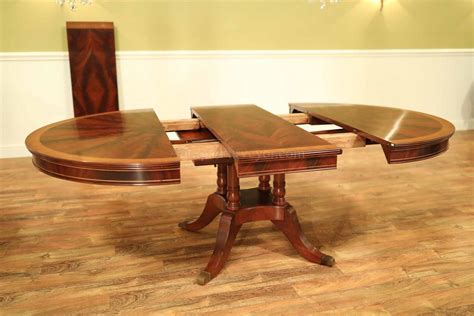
402 237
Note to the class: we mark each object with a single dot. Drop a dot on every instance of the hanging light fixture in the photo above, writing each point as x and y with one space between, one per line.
73 3
323 3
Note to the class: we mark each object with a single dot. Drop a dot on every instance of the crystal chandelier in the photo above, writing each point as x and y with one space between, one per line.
73 3
323 3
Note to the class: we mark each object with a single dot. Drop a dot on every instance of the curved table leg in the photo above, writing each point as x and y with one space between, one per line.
258 204
214 206
290 226
215 203
228 229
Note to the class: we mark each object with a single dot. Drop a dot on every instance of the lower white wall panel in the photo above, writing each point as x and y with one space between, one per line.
35 87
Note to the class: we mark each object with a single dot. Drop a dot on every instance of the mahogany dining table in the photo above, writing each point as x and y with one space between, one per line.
133 148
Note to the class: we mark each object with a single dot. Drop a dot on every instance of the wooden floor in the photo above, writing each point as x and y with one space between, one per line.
402 237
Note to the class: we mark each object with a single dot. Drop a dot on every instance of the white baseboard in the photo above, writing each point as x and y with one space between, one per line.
14 151
463 125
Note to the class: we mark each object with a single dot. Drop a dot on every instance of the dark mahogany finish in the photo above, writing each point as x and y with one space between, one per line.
128 147
262 143
214 205
264 183
404 135
92 63
251 205
216 202
131 147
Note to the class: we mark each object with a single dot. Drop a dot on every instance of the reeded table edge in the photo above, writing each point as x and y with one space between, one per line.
402 154
277 161
402 151
174 179
96 170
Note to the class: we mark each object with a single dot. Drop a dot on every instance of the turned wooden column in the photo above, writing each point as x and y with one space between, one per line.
221 179
257 207
279 190
264 183
233 189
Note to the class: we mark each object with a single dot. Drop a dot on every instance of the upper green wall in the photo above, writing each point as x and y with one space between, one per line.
39 25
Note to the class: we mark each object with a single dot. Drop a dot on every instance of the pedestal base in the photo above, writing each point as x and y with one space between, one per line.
255 205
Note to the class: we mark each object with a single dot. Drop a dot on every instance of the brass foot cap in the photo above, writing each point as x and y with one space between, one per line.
183 224
203 278
328 261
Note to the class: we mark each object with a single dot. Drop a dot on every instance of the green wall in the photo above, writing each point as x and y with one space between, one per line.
39 25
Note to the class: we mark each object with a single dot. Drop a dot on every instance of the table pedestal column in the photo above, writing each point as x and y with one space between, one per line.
241 206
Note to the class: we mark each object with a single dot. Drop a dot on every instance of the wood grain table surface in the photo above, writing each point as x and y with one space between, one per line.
122 147
404 135
132 148
262 143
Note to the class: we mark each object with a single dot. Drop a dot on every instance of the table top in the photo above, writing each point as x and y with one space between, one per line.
404 135
122 147
384 125
132 147
263 143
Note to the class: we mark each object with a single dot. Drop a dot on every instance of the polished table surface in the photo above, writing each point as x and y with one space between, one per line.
133 148
128 147
404 135
263 143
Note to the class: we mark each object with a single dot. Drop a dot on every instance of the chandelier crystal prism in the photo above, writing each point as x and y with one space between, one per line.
73 3
323 3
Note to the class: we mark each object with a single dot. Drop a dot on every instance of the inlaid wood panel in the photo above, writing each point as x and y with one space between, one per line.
404 135
92 64
263 143
127 147
403 241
